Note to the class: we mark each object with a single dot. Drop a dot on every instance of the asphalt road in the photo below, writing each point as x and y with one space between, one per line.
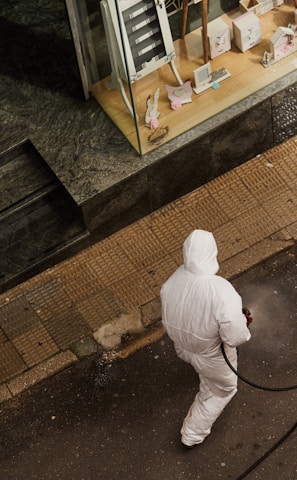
121 420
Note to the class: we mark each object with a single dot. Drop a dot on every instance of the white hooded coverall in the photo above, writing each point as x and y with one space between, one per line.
200 310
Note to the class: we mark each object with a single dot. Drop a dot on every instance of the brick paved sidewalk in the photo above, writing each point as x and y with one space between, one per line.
106 298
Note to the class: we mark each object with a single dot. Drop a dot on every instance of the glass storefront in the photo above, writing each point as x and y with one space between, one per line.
146 64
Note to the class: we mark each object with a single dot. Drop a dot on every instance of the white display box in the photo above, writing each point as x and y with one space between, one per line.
246 31
258 6
218 34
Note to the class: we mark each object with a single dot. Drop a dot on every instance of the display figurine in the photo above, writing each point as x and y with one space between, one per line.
152 114
282 44
179 95
267 58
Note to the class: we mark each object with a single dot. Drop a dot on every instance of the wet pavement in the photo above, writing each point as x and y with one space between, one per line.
121 419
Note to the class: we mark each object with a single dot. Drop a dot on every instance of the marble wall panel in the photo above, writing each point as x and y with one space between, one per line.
180 172
226 147
118 206
242 138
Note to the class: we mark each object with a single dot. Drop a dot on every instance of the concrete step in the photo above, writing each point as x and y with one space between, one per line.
39 220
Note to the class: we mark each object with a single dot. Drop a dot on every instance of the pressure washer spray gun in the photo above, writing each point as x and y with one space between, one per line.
248 316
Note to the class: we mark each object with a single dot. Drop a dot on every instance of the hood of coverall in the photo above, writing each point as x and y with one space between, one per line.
200 253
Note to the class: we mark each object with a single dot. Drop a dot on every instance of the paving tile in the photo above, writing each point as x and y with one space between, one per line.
283 160
261 179
292 230
100 308
11 362
9 295
202 210
177 256
170 227
41 279
160 272
49 298
111 265
66 326
256 224
284 152
79 281
134 290
230 241
232 196
283 208
216 184
17 317
104 246
140 244
233 266
35 346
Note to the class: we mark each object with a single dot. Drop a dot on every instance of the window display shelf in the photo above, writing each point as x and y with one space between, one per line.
247 77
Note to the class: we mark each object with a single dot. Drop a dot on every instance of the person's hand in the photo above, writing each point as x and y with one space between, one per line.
248 316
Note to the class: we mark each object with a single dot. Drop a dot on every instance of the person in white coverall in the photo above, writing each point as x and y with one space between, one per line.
200 310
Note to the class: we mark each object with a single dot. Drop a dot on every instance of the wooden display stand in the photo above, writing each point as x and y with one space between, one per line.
139 41
204 24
